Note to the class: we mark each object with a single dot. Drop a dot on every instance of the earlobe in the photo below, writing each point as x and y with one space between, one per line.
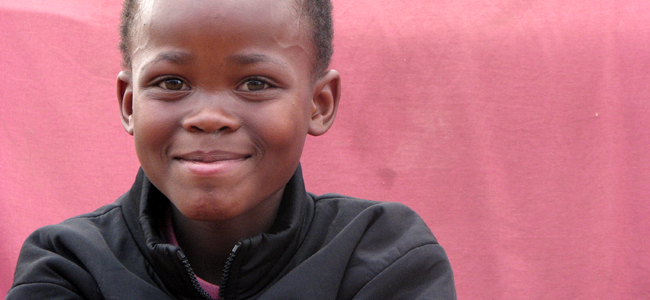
325 102
125 99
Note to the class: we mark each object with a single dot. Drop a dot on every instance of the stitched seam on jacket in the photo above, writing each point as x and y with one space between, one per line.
394 261
48 283
101 214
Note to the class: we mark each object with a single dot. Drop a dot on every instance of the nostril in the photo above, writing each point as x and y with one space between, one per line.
211 120
211 126
195 129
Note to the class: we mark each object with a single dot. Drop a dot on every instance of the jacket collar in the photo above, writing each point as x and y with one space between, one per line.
259 261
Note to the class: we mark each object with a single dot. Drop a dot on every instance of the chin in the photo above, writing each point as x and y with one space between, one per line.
207 210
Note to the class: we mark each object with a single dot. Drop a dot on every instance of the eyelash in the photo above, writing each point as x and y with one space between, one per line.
184 85
259 79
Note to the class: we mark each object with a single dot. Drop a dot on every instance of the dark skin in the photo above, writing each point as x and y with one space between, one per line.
219 100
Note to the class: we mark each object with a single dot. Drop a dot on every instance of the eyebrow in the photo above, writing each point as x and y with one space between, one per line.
181 58
176 57
249 59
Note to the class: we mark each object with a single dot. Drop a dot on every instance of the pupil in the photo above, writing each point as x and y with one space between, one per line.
173 84
255 85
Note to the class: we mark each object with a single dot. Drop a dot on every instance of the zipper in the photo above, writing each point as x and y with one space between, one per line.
225 274
195 282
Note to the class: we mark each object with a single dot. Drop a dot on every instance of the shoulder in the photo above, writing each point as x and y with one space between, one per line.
381 218
376 231
386 245
77 230
64 258
345 204
73 238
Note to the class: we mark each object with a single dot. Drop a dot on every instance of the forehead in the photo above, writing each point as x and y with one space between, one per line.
281 14
272 22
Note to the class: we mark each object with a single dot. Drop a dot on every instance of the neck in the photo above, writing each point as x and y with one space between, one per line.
207 244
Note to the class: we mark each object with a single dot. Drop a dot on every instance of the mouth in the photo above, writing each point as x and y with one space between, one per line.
210 163
210 157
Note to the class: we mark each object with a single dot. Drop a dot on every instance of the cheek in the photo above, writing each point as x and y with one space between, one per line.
153 128
283 129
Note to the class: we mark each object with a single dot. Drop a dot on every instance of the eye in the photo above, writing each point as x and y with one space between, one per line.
173 84
253 85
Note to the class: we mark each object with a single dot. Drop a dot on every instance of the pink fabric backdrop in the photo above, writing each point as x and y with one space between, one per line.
518 129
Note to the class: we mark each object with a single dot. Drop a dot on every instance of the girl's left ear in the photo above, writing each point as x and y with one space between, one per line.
325 102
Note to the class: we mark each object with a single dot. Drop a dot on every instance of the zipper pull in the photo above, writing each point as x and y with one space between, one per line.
234 249
181 255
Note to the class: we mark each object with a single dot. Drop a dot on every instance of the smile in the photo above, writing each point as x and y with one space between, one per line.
210 163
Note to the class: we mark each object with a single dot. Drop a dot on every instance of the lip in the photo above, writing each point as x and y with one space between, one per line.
201 163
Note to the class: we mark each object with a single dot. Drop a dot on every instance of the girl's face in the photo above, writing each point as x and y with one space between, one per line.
219 101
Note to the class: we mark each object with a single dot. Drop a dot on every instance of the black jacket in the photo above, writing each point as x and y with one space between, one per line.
320 247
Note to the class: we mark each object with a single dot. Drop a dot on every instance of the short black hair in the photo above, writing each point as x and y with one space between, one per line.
319 13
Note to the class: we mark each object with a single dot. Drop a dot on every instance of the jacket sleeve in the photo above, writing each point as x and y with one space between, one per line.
422 273
47 269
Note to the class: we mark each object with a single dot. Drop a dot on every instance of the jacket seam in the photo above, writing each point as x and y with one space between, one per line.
39 282
393 262
98 215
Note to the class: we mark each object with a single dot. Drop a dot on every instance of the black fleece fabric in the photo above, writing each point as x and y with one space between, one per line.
320 247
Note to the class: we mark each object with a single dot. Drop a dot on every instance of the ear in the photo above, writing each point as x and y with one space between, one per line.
325 102
125 98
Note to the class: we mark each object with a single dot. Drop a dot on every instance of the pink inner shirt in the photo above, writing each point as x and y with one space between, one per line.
168 228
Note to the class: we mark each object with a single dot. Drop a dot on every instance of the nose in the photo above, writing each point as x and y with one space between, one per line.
211 116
